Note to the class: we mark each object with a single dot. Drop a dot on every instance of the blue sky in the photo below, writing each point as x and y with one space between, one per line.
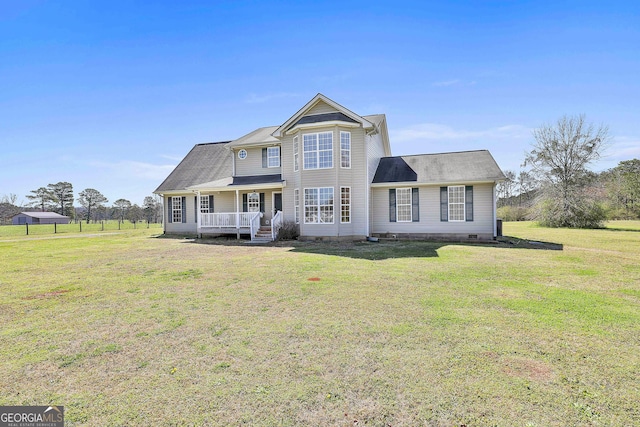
111 95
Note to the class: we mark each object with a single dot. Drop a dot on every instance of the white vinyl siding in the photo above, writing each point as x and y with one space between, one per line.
430 222
318 205
318 150
296 154
345 205
345 150
403 204
456 203
176 209
296 205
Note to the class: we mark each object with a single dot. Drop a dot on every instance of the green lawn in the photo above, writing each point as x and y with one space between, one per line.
129 329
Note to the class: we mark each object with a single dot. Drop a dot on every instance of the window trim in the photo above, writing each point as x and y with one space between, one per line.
204 199
409 204
271 156
345 205
176 212
461 188
347 150
318 206
317 151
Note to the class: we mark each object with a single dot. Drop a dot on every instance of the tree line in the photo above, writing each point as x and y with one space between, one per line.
556 186
93 205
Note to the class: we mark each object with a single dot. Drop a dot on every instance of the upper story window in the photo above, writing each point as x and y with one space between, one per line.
242 154
345 149
318 150
273 157
296 154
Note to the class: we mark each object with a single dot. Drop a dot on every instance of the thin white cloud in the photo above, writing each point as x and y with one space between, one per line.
254 98
134 169
436 132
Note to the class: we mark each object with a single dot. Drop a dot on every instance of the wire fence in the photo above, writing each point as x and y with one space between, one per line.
79 227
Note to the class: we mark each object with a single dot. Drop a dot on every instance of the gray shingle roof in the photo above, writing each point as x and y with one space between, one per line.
257 179
204 163
465 166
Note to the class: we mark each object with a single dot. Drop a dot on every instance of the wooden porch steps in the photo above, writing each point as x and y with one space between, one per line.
263 235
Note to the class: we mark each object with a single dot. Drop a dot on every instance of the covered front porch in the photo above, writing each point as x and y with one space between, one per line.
247 206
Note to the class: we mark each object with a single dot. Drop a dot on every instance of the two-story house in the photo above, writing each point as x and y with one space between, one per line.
330 171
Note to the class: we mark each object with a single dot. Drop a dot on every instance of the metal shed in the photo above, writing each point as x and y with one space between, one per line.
39 218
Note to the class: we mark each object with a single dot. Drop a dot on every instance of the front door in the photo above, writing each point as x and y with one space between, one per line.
277 202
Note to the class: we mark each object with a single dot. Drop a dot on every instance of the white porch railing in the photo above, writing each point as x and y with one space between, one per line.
276 223
250 220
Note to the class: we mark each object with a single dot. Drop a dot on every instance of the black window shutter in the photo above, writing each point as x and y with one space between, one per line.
261 202
280 153
184 209
211 204
444 204
244 203
468 201
264 157
195 205
415 205
169 213
392 205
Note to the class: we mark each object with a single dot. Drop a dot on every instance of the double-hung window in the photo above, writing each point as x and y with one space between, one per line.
456 203
345 149
273 157
317 150
345 205
176 209
204 204
318 205
403 205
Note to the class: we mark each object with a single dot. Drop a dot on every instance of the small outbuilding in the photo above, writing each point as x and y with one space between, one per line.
39 218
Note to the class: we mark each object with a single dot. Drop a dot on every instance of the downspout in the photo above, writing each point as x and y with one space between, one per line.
367 186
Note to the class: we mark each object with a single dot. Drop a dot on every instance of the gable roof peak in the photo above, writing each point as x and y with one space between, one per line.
281 130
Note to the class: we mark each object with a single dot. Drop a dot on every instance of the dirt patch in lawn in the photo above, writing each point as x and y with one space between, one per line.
530 369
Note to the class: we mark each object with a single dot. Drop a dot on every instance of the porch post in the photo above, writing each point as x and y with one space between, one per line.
238 213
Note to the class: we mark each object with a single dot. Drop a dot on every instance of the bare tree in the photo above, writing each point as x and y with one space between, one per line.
91 200
559 159
506 187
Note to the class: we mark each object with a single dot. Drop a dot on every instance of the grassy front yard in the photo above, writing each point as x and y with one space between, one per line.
129 329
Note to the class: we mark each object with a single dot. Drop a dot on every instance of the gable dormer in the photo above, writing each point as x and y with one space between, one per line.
322 111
